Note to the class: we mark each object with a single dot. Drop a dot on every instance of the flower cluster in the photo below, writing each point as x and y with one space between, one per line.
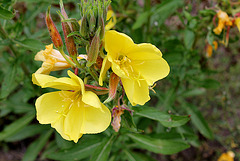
225 23
113 63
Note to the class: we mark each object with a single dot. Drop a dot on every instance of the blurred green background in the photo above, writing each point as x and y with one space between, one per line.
206 90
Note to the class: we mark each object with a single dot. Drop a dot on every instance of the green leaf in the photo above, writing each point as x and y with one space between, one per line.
158 145
31 44
189 38
62 143
209 83
193 92
83 149
27 132
198 120
141 19
103 150
162 11
132 156
11 80
165 119
35 147
175 121
127 121
5 14
16 126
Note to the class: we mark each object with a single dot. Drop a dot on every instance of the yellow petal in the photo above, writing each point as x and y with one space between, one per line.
91 99
136 91
59 126
41 79
237 22
63 83
152 70
144 51
117 43
46 68
39 56
112 22
83 119
50 106
78 80
105 66
118 70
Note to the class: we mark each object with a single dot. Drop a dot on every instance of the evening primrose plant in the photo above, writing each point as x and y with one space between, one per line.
76 109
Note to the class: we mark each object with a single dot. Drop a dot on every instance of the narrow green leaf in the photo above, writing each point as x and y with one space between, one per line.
103 151
83 149
193 92
11 80
198 120
158 145
132 156
16 126
31 44
189 38
127 121
62 143
165 119
35 147
6 14
27 131
209 83
141 19
162 11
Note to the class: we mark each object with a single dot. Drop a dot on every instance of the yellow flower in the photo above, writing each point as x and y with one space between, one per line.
223 20
71 111
52 60
112 22
229 156
138 65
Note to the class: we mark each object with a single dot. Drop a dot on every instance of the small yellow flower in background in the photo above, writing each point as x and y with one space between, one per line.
223 20
112 22
228 156
209 49
138 65
52 60
71 111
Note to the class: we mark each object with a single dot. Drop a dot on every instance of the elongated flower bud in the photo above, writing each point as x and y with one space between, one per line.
67 29
54 34
83 27
94 49
113 84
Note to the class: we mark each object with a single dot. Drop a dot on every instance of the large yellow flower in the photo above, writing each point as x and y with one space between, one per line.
52 60
71 111
138 65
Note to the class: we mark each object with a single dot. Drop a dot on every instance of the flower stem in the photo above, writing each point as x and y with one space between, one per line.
66 58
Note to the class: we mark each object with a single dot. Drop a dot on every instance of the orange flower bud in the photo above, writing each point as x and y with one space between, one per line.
67 29
113 84
55 36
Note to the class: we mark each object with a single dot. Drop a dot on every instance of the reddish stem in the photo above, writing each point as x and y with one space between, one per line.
96 87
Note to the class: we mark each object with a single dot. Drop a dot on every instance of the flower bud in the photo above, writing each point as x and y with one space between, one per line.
67 29
83 27
93 49
92 22
54 34
113 84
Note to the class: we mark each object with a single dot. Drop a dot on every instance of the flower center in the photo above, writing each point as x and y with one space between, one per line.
126 65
